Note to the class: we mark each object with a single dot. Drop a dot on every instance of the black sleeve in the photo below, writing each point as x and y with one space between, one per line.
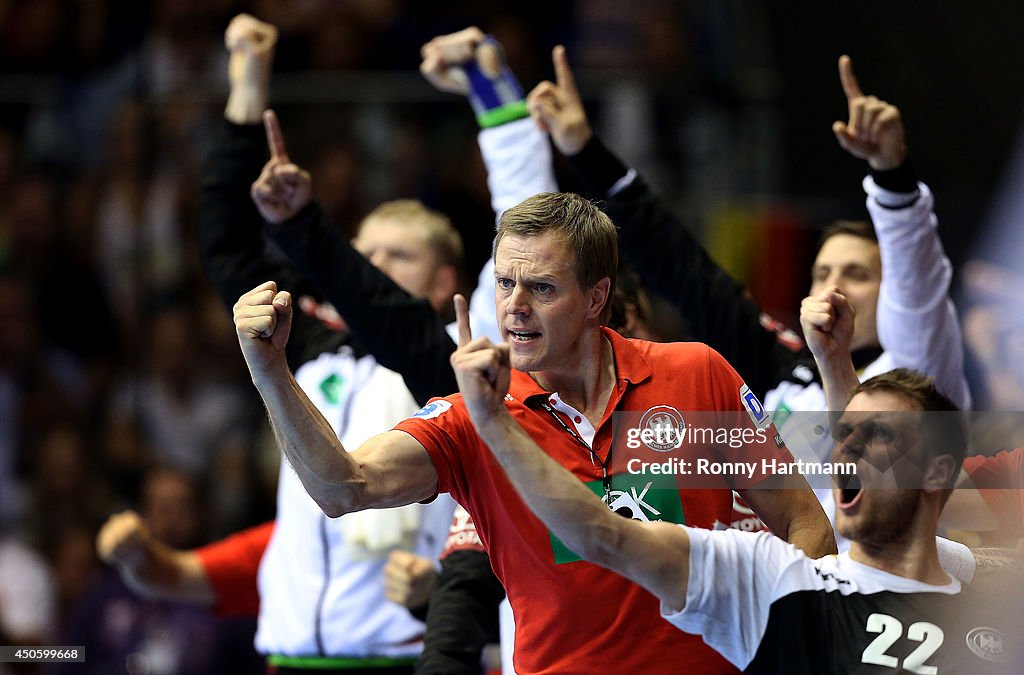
403 333
232 246
902 179
672 263
419 612
462 617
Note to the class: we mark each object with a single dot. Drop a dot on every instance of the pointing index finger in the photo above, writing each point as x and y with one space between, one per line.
563 73
462 320
850 85
275 139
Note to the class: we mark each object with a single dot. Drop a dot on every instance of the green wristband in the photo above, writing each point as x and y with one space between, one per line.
510 112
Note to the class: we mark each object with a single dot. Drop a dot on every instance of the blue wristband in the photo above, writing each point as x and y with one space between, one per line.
495 100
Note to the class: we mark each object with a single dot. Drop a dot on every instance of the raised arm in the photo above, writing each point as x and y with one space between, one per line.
827 320
391 469
652 554
231 242
917 322
403 333
515 151
670 261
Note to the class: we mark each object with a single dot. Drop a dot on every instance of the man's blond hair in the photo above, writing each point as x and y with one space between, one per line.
442 236
587 230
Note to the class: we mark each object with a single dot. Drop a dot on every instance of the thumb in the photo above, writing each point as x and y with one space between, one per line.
284 307
847 137
488 57
847 141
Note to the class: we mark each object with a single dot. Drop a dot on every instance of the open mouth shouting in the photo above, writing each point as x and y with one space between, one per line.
849 493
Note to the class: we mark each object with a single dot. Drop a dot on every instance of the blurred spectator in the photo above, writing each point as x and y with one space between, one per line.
36 35
994 335
75 566
182 46
645 34
138 243
185 417
124 633
68 484
38 384
41 253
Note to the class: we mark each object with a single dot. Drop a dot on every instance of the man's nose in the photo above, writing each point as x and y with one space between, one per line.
518 301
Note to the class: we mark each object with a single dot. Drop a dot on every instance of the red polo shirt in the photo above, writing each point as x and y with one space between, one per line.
573 616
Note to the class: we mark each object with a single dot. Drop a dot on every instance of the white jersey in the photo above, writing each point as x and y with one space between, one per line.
767 607
321 583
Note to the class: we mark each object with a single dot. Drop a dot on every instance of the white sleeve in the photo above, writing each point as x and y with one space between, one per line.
518 160
956 559
917 322
734 578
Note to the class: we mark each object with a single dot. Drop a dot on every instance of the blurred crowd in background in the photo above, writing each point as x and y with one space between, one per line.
121 382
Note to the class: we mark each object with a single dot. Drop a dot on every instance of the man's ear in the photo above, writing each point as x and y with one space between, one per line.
940 474
600 296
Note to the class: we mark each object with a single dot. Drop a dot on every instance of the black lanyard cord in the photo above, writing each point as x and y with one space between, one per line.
605 478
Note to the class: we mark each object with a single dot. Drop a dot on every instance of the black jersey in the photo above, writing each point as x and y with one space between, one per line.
768 608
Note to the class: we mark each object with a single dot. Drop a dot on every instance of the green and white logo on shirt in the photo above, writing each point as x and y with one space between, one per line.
637 496
331 387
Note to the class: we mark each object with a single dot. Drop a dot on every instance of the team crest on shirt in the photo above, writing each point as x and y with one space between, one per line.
661 428
432 409
988 643
643 498
757 413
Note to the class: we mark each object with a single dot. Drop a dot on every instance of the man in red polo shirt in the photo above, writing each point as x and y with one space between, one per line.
555 260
